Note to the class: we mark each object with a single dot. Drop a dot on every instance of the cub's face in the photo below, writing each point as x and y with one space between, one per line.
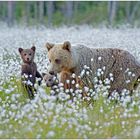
27 55
59 56
49 79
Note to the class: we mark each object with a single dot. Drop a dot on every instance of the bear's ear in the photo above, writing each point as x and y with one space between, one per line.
33 48
20 50
49 46
67 46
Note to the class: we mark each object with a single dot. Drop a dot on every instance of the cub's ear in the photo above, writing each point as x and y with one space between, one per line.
49 46
20 50
33 48
67 46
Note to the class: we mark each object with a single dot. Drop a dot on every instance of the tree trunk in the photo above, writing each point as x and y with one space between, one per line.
128 4
10 13
35 16
112 7
41 11
1 7
135 9
50 10
69 11
76 4
4 12
26 15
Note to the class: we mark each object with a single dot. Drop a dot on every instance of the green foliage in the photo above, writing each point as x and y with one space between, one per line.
84 12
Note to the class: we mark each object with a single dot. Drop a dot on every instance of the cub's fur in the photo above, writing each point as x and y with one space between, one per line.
29 70
120 63
50 80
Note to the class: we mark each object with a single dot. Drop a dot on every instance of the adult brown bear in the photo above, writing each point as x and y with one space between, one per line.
117 63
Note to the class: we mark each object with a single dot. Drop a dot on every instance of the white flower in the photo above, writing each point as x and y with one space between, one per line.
73 75
110 74
86 89
133 75
50 134
67 81
99 58
29 83
126 70
120 68
111 79
77 85
136 132
129 73
7 91
103 67
127 81
91 59
87 73
61 85
73 82
97 123
98 74
71 90
67 90
99 70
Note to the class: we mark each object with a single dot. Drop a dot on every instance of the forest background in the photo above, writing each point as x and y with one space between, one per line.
57 13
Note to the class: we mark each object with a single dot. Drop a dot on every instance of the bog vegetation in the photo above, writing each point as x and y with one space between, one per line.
56 116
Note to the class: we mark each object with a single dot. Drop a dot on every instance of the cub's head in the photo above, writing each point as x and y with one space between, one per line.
27 55
50 80
60 57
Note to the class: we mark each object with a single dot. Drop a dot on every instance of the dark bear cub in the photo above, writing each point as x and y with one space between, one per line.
29 71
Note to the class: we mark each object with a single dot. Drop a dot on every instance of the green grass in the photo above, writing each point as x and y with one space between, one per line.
47 118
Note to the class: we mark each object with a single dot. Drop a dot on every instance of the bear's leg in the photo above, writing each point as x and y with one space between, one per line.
38 75
30 90
65 78
72 81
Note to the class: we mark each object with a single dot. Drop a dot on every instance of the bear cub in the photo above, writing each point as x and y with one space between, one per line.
29 71
68 79
50 80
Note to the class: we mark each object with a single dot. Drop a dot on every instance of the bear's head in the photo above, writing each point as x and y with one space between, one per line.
60 57
27 55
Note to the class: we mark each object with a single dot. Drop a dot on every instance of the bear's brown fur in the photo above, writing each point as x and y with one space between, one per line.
69 80
29 70
119 63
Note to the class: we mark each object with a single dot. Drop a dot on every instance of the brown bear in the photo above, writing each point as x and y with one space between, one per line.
66 78
104 63
50 80
29 70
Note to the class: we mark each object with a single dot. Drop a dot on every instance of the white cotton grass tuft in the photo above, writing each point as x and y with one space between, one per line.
54 109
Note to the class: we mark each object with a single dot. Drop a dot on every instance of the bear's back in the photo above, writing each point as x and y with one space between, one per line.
119 63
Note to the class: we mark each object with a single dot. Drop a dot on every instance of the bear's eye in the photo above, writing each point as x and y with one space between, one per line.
49 60
57 61
25 54
30 54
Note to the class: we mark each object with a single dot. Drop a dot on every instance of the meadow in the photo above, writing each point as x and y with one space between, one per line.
58 117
